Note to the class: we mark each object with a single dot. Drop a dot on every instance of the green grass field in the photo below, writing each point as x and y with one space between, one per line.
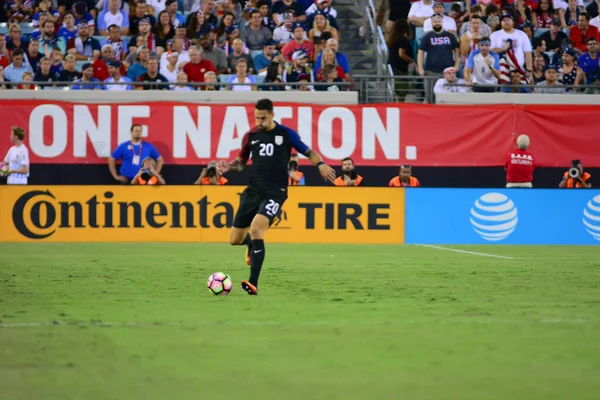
136 321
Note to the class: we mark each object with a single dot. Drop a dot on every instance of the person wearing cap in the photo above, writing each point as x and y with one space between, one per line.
513 44
404 178
170 70
519 165
197 67
580 33
448 24
266 57
550 84
114 70
180 32
140 13
285 32
87 80
113 15
442 84
442 52
255 34
299 43
589 62
238 53
554 37
482 67
298 67
570 73
84 47
144 33
279 7
152 75
211 175
213 54
420 11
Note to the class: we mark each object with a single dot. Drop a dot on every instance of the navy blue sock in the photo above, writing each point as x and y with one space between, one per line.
258 257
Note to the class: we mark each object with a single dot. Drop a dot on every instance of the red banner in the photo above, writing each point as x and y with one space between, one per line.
377 134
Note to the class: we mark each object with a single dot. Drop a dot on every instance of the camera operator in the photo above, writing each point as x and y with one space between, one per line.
575 177
211 175
148 175
349 176
404 178
519 165
295 177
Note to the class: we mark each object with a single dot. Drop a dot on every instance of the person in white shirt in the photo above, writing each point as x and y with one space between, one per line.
170 69
113 15
420 11
448 24
510 38
482 67
241 76
182 55
182 80
595 22
114 70
17 158
449 79
321 5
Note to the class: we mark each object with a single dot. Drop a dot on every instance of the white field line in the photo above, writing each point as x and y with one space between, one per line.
474 253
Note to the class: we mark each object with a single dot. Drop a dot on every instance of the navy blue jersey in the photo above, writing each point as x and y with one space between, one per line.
270 151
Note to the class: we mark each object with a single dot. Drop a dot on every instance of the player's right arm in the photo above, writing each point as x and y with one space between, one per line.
240 161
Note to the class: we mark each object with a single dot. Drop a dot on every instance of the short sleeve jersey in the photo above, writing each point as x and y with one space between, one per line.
270 151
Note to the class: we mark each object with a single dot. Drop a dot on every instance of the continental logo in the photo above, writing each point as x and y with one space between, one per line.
38 214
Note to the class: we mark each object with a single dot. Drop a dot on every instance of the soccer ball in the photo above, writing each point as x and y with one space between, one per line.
3 169
219 283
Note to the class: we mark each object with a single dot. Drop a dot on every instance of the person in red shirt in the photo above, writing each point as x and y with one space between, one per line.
405 178
101 64
299 43
197 67
582 32
519 165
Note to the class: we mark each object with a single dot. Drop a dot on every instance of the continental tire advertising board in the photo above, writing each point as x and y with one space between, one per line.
194 214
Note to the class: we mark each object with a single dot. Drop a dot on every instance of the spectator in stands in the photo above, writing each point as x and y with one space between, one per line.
27 77
291 73
582 180
448 24
208 8
570 16
341 59
114 40
442 84
114 70
328 58
213 54
33 54
155 7
469 40
539 67
44 74
44 6
19 10
268 55
37 32
57 62
274 76
323 6
331 77
550 83
570 73
227 21
211 77
182 85
101 65
152 75
147 37
442 52
595 21
238 53
182 55
420 11
589 62
113 15
131 153
513 45
515 80
267 20
543 15
519 165
68 30
320 25
295 177
197 67
15 39
484 29
554 37
581 32
173 9
83 12
285 32
233 7
279 7
401 56
299 43
539 49
140 13
140 67
349 175
483 67
84 47
211 176
170 70
87 80
4 52
198 25
255 34
2 80
242 76
69 74
180 32
404 178
49 40
163 31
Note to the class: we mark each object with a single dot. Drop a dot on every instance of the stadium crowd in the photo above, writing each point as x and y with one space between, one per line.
119 45
551 44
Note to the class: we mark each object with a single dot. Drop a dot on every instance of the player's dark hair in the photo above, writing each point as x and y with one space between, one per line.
264 105
133 126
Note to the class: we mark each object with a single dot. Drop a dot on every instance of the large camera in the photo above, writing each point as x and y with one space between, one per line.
352 174
293 165
574 170
146 175
211 172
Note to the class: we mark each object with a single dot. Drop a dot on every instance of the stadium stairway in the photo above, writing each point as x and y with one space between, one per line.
361 55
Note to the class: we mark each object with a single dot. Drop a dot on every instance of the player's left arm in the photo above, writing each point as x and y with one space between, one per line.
325 170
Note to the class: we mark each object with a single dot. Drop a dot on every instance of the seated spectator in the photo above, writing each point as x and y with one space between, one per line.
49 40
279 7
581 32
15 39
232 33
68 30
328 58
349 175
570 16
33 54
550 84
227 21
320 25
152 75
198 24
570 73
211 77
148 175
266 18
197 67
114 40
298 44
155 7
140 67
173 9
180 32
113 15
44 7
539 67
448 24
87 81
57 62
273 75
515 80
114 70
182 85
404 178
213 54
441 85
238 52
285 32
132 152
69 74
19 10
340 58
37 32
145 35
3 81
182 54
255 34
170 70
27 77
539 49
554 37
84 47
330 76
242 76
482 67
101 65
323 6
291 73
589 62
140 13
420 11
543 15
268 55
207 9
44 74
14 72
163 32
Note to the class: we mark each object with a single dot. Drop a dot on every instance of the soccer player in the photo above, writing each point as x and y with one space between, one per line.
270 145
